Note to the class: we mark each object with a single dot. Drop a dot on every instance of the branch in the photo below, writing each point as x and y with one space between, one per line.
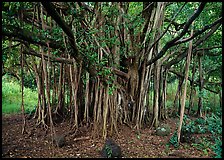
197 43
11 46
176 25
198 32
75 54
213 55
172 42
209 72
182 76
11 74
172 21
209 48
81 138
86 7
120 73
29 37
52 58
54 14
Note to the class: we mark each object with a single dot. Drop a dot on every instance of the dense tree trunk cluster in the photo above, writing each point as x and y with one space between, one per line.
96 67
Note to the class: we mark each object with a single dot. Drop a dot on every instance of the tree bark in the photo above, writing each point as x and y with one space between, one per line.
156 95
87 99
201 84
183 98
22 95
191 100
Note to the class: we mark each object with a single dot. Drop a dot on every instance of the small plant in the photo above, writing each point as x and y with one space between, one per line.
190 127
167 149
203 145
214 124
217 148
138 136
108 151
200 129
174 140
200 120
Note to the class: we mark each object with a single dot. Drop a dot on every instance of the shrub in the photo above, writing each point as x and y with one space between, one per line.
174 140
217 148
214 124
163 130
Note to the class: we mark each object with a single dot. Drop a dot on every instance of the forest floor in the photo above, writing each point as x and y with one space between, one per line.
37 143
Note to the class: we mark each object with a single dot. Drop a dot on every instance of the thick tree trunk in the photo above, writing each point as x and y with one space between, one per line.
141 107
133 85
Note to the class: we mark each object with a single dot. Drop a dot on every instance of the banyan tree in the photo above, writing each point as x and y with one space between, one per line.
99 63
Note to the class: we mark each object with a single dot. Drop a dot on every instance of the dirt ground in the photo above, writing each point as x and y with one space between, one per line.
37 142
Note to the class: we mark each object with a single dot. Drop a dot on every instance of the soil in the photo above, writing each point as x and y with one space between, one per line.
37 142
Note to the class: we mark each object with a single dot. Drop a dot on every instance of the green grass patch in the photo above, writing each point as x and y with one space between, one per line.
11 97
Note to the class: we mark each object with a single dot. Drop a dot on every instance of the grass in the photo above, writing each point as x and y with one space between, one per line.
11 96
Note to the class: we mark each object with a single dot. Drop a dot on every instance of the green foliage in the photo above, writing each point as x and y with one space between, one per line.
111 89
214 124
200 121
217 148
200 125
211 123
11 97
200 129
29 82
174 140
202 93
108 151
188 125
204 145
31 111
56 34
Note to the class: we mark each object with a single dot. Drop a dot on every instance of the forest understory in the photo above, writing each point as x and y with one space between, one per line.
108 66
36 142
